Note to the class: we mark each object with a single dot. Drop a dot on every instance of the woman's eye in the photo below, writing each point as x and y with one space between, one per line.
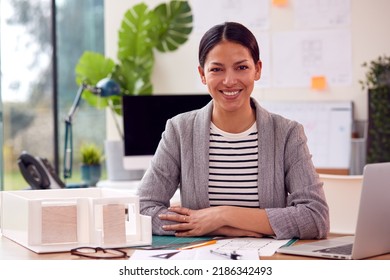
242 67
215 69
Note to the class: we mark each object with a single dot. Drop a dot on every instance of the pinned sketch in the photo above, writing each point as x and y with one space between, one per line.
253 14
322 13
311 53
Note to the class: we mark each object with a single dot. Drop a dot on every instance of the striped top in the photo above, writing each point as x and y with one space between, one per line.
233 168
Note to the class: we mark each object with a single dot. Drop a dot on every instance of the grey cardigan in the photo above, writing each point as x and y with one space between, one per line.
288 185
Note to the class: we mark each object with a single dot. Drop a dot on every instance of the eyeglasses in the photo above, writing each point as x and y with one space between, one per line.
99 253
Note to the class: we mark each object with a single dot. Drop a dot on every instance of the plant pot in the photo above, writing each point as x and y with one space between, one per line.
90 174
114 152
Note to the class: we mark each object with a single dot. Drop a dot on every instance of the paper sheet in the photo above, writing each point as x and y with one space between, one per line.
322 14
263 246
193 254
248 248
208 13
326 53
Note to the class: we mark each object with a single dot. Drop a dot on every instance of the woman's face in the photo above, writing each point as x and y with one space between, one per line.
229 73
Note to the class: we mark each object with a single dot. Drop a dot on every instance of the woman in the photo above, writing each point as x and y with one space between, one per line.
241 170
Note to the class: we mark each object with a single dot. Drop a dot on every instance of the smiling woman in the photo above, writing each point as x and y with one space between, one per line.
241 170
230 83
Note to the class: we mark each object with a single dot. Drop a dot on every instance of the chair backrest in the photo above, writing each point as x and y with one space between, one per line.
342 193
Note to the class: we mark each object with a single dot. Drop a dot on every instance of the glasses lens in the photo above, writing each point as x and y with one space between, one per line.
114 252
86 250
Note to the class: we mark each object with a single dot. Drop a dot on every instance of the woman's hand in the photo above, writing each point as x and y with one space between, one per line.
207 221
192 222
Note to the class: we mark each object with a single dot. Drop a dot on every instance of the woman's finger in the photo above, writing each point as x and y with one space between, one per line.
174 218
180 210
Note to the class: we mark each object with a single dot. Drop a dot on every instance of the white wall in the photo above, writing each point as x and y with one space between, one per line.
177 72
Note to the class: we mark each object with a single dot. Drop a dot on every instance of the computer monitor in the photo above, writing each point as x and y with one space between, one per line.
144 119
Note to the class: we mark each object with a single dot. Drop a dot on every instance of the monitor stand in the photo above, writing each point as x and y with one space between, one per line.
114 153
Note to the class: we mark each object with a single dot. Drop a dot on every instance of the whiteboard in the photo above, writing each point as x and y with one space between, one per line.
328 127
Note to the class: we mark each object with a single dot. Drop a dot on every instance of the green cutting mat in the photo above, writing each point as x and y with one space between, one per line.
166 240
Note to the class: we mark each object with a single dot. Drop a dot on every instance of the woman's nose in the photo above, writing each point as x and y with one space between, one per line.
230 78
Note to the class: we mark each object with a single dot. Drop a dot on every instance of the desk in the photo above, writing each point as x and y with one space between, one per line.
10 250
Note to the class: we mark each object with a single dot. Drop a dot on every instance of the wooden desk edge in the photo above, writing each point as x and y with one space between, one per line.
10 250
332 171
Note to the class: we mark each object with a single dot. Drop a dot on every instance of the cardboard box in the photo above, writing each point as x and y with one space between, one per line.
58 220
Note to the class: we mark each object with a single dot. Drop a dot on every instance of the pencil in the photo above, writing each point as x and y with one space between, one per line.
197 245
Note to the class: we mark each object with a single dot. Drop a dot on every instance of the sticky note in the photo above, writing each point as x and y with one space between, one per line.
318 82
279 2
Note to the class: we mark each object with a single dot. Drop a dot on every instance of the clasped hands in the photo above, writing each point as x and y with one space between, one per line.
207 221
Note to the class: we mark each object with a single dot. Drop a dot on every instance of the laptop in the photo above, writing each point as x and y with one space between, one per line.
372 235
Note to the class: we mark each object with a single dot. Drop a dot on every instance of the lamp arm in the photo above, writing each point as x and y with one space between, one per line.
68 150
105 87
68 145
76 103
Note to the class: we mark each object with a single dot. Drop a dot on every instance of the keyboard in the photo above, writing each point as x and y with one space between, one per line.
340 250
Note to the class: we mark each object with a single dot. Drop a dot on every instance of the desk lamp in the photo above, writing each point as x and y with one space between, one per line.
104 88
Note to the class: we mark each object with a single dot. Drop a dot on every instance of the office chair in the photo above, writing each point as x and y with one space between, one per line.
342 193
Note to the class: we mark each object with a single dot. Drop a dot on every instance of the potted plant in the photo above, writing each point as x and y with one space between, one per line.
143 31
91 159
377 81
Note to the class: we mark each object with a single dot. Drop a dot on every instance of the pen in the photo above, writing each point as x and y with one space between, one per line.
197 245
233 255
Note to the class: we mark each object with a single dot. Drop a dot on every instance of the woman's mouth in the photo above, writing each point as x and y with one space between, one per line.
230 93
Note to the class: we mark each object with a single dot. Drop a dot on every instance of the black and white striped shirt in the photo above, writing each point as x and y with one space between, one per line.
233 168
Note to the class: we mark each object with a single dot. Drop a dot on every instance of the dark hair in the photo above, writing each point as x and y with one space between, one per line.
229 31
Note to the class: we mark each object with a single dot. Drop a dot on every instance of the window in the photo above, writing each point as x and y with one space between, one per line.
86 32
33 117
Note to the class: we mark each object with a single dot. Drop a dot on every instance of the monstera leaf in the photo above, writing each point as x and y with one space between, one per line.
134 78
137 36
175 25
142 30
166 28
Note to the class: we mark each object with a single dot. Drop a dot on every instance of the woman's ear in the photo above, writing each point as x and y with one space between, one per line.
258 68
202 76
